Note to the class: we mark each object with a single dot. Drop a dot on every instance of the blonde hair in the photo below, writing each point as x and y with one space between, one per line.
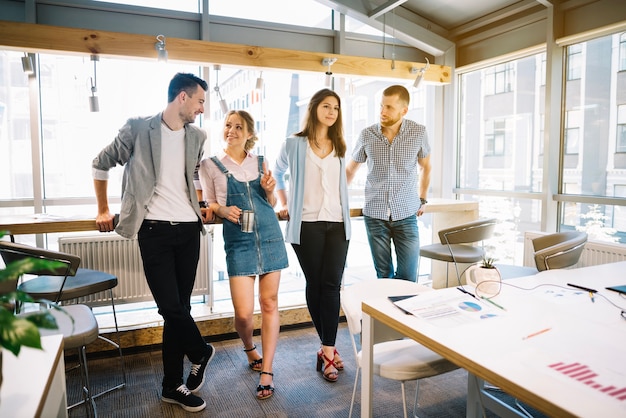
249 121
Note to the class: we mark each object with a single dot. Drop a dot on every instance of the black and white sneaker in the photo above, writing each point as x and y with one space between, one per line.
183 397
195 380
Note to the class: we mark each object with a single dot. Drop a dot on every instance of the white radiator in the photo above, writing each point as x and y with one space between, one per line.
121 257
595 252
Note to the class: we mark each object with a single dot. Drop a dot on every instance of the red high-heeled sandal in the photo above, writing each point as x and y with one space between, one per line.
324 365
339 362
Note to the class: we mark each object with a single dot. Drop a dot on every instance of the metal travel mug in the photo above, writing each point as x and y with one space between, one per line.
246 220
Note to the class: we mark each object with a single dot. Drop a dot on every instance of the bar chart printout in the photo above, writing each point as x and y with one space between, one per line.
588 377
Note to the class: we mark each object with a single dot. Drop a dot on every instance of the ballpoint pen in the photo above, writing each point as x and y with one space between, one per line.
536 333
586 289
466 292
493 303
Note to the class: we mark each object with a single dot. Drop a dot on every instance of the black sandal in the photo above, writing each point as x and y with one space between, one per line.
255 365
261 388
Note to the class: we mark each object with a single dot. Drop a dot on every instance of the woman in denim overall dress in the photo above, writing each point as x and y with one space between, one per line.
233 182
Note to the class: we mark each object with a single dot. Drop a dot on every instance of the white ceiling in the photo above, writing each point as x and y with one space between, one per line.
452 14
433 25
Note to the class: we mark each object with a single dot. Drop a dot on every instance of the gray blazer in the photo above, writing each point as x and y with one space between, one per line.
138 147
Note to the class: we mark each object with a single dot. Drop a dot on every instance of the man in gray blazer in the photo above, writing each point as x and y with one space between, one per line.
159 205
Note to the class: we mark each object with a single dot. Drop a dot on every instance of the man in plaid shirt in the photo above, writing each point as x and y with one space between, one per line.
397 153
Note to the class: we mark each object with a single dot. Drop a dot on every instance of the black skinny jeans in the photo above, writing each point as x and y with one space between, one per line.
322 255
170 254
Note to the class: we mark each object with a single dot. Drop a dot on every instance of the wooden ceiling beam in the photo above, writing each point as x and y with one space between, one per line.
35 38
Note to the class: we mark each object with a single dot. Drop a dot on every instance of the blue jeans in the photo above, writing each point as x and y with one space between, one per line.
406 241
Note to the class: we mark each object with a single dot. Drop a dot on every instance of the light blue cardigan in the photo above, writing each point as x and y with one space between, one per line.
292 157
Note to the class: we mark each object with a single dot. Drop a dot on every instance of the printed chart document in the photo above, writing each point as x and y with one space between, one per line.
448 309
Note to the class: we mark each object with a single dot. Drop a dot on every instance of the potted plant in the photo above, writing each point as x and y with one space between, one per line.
485 277
17 331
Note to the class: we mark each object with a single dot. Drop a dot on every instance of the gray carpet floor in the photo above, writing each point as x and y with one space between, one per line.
230 388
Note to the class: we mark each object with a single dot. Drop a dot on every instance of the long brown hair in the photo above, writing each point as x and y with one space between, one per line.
335 132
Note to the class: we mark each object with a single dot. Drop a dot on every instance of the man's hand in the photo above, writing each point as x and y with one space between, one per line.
105 222
207 215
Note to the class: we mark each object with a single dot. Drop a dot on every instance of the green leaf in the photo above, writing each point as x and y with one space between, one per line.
27 265
42 320
20 332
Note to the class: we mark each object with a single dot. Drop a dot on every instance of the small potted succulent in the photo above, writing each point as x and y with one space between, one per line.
485 277
487 263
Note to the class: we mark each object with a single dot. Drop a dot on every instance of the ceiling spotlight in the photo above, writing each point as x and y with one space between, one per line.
223 104
329 74
27 64
94 105
259 82
420 73
160 47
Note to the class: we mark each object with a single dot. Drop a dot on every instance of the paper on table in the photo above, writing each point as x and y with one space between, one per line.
447 309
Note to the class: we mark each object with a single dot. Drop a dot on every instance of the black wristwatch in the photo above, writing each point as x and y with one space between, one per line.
423 201
203 204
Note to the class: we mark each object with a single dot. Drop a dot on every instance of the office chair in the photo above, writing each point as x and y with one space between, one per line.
62 285
455 244
559 250
554 251
402 360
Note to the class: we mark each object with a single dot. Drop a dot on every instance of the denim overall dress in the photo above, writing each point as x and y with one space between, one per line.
263 250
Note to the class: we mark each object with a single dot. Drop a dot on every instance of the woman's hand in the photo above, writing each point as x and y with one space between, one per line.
283 214
267 181
231 213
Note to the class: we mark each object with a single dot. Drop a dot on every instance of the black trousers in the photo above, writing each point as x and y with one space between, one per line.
170 254
322 255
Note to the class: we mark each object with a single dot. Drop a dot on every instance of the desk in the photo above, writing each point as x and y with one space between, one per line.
592 334
40 224
34 382
449 213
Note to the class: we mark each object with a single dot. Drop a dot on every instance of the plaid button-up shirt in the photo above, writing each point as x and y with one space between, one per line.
392 186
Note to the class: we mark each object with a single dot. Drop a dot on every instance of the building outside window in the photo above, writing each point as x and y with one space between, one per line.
620 145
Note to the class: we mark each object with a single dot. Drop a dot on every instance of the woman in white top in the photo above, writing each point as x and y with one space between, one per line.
319 216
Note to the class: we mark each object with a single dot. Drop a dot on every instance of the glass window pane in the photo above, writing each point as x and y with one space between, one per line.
72 135
593 119
514 216
307 13
500 134
601 222
179 5
16 179
597 113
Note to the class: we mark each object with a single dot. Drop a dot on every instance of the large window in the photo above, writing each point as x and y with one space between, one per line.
499 148
71 135
594 110
16 180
